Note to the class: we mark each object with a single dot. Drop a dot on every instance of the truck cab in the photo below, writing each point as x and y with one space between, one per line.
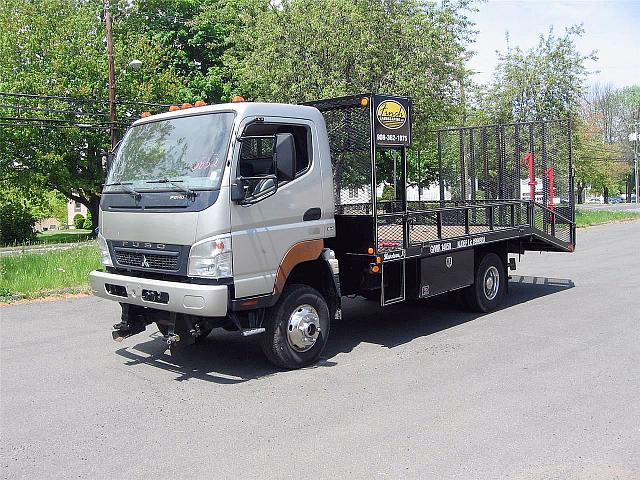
207 210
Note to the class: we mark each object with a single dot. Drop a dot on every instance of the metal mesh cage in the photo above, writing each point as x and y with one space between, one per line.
498 166
349 131
490 162
464 181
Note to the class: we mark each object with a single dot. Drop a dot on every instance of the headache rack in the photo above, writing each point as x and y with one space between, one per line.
454 188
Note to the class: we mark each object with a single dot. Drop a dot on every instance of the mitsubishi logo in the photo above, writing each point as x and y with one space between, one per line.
145 262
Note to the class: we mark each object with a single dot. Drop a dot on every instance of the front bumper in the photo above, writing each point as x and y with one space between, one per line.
192 299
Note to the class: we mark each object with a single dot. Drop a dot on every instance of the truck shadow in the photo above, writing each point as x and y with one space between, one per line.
227 358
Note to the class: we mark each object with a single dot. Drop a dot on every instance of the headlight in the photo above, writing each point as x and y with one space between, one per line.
105 256
211 258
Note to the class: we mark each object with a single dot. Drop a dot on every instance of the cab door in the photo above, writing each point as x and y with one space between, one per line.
263 232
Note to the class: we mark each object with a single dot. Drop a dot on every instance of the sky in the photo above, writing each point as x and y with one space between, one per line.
612 28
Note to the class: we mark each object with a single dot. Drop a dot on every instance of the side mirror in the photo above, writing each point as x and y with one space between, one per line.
238 191
285 156
107 160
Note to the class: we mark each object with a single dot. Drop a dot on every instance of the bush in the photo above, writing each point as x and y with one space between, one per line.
88 222
78 220
16 223
387 193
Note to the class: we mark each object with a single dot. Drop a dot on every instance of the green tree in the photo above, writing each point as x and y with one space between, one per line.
596 162
606 152
543 83
56 47
301 50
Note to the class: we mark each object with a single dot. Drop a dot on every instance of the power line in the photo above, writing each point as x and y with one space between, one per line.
80 99
52 110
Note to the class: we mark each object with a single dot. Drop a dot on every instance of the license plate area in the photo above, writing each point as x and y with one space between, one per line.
155 296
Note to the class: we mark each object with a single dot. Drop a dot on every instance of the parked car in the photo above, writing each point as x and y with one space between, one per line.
616 200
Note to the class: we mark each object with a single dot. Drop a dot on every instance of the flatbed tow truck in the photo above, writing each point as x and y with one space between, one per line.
260 217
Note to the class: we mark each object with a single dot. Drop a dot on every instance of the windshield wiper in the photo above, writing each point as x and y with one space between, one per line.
176 184
125 185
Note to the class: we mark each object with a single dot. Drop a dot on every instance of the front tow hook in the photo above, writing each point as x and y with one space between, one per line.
123 330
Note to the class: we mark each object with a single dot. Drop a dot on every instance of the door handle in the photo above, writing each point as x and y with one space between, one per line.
312 214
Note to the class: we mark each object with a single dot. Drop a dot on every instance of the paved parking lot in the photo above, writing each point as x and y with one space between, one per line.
547 388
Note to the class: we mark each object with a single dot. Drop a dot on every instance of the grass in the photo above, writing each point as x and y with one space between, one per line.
584 218
31 275
63 236
57 236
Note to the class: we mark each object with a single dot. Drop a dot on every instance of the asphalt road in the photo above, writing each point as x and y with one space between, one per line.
546 388
612 207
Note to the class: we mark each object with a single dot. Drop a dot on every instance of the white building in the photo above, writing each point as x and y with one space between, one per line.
73 208
362 194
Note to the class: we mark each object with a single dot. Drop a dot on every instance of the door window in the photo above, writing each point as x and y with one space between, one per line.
256 153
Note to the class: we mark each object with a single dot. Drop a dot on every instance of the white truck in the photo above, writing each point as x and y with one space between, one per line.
259 217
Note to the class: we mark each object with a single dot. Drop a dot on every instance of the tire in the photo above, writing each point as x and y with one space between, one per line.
164 330
290 341
483 296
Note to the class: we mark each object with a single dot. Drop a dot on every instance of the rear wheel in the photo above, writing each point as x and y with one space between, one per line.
297 328
488 289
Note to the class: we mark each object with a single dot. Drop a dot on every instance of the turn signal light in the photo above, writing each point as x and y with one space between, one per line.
174 108
375 268
237 99
186 105
378 260
200 103
370 250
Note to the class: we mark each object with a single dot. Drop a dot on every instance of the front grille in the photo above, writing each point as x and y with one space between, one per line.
147 260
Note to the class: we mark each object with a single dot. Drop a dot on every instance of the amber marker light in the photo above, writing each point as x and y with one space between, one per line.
378 260
370 250
186 105
200 103
145 114
375 268
174 108
237 99
364 101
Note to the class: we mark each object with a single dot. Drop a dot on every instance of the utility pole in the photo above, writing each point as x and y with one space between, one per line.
112 76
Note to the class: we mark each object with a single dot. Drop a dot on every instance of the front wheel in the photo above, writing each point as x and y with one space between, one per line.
488 289
297 328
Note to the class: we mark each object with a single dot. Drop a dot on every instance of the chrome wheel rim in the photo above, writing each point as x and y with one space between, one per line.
491 282
303 328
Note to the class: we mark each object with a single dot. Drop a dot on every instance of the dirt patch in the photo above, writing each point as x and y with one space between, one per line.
50 296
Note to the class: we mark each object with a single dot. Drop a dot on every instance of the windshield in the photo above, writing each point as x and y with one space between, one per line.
184 152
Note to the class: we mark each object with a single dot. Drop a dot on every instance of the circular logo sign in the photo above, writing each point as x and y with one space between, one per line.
391 114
